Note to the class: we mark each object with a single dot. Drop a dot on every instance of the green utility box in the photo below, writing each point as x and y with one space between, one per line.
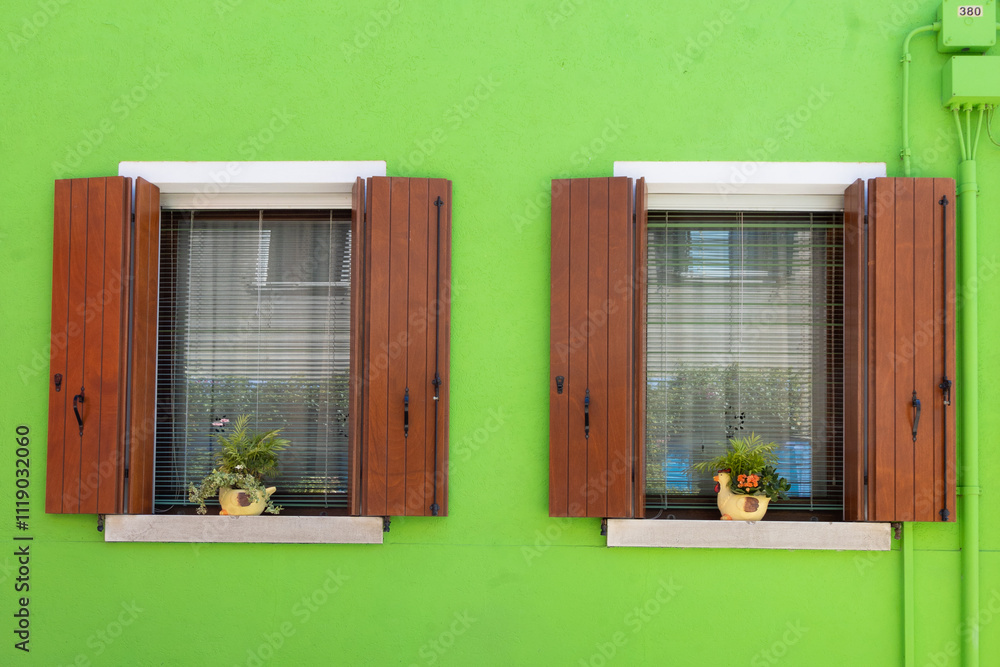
971 80
967 27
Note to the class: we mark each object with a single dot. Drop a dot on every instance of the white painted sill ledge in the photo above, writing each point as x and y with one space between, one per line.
621 532
749 535
243 529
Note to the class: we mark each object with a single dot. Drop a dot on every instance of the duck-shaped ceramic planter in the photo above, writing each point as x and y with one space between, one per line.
738 506
236 502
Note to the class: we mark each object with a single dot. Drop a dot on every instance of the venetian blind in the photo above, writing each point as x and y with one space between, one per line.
255 319
744 334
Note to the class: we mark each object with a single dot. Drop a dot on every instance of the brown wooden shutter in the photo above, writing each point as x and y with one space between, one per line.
592 396
639 347
356 398
911 349
855 268
908 345
92 259
406 330
141 426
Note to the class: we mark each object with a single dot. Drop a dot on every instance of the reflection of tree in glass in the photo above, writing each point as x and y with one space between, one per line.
311 413
692 414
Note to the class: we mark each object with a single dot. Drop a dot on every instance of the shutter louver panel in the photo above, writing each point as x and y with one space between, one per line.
89 344
405 336
592 391
911 348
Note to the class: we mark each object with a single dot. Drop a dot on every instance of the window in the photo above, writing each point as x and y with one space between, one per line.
732 297
744 333
255 316
296 291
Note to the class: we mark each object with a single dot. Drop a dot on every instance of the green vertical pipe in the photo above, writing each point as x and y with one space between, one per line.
906 91
908 609
979 131
968 488
967 392
961 136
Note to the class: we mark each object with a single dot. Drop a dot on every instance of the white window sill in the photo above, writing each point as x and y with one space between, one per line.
246 529
750 535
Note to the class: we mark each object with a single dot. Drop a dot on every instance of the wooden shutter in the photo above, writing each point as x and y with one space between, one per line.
911 348
407 240
141 425
592 399
907 338
356 399
855 268
91 292
639 346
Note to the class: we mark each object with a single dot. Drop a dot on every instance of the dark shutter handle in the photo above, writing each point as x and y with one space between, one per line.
916 415
586 415
406 413
76 410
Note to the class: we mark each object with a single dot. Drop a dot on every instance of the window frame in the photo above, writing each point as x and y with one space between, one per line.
819 502
237 185
187 351
739 186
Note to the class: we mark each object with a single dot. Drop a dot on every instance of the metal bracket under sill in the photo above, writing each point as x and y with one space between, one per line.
750 535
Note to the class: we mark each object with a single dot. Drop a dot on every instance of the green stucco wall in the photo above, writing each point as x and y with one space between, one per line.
500 98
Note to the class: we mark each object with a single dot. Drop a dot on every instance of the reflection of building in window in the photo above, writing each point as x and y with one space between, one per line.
255 318
744 323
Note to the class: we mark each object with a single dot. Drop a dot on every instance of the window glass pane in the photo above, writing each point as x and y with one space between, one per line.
744 330
255 319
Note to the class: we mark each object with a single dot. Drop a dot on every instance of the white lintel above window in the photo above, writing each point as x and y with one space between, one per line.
748 186
224 185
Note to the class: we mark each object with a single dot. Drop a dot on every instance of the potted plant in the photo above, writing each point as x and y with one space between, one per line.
746 478
245 458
